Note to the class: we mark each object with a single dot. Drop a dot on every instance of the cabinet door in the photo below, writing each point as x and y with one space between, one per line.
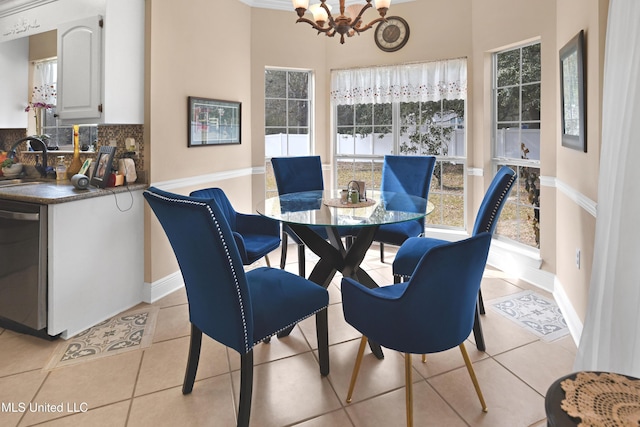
80 69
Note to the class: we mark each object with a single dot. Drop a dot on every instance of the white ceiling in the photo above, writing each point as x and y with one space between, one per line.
9 7
288 5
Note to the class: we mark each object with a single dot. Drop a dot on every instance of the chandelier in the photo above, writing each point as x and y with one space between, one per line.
348 23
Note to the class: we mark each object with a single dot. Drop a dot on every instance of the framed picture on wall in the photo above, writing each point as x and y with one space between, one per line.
102 171
213 122
572 94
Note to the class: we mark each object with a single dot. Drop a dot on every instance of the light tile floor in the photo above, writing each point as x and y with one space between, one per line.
143 387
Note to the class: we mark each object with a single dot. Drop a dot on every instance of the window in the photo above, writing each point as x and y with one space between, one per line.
516 139
287 117
431 121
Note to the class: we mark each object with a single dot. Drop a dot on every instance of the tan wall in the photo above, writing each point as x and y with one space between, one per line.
576 228
190 53
186 55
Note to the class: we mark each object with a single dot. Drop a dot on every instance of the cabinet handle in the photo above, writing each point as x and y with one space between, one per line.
20 216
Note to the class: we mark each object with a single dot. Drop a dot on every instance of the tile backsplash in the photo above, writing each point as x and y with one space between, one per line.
106 134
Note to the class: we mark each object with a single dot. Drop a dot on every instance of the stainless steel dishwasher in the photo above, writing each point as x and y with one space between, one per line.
23 267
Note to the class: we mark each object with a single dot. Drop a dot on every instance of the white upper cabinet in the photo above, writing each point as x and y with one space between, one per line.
80 70
14 72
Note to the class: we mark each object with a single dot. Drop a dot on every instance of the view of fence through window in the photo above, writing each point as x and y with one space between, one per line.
367 132
516 139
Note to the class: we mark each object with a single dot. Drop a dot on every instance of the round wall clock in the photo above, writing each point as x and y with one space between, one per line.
393 34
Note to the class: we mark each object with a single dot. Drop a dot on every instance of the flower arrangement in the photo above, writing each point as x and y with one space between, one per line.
38 105
38 108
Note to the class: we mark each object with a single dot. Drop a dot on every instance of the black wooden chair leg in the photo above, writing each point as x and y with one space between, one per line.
301 261
396 279
381 252
322 331
194 358
477 330
283 251
481 302
246 388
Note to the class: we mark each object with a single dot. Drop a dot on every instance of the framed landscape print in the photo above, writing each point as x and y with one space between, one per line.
213 122
572 94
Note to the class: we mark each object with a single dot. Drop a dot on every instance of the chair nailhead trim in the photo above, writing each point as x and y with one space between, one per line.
495 207
247 345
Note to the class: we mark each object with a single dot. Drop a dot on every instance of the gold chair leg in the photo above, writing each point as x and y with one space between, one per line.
472 374
356 368
266 258
424 358
409 385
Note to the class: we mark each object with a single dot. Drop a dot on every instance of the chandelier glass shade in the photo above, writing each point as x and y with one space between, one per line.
348 23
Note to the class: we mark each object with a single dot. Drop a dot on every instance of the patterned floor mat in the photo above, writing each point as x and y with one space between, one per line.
124 332
538 314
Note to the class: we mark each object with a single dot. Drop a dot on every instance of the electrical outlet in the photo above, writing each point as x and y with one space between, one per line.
578 258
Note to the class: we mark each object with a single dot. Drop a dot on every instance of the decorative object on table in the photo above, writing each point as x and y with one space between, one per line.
431 313
213 122
102 171
348 23
602 399
39 109
572 94
236 308
76 163
339 203
11 168
392 34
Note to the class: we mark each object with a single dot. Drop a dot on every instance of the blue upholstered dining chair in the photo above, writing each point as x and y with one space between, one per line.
294 175
404 174
430 313
235 308
256 236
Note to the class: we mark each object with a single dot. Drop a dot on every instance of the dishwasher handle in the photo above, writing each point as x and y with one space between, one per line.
19 216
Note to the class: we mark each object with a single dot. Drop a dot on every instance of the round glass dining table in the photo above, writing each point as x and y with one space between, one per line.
304 211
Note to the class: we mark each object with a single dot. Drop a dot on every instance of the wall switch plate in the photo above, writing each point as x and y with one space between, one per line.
578 258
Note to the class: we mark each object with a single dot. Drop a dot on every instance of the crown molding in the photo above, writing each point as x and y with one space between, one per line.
286 4
10 7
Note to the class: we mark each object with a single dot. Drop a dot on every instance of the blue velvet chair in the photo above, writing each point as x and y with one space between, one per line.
414 248
404 174
235 308
293 175
430 313
256 236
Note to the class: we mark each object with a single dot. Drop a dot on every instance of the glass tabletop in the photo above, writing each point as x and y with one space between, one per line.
324 208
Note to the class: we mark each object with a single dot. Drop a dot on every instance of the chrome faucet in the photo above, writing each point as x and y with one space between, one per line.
41 168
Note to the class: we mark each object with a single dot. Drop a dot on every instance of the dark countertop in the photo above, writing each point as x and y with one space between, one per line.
50 191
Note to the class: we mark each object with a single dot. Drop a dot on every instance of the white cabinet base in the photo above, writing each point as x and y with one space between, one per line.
96 260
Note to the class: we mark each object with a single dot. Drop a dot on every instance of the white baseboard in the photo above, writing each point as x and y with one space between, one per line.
163 287
570 316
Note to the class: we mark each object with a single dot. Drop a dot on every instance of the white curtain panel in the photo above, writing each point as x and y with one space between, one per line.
45 83
610 338
428 81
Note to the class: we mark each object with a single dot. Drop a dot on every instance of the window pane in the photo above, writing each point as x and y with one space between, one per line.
275 112
345 115
507 143
275 84
530 137
298 113
382 140
382 114
508 68
298 85
508 104
345 142
364 114
531 63
531 102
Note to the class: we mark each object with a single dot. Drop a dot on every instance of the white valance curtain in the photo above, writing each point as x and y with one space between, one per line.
45 83
418 82
610 338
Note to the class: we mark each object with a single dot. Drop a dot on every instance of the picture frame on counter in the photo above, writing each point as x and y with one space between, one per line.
102 170
213 122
